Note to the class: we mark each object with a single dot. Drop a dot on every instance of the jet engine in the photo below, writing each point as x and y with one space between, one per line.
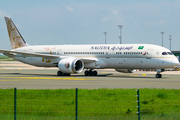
71 65
126 70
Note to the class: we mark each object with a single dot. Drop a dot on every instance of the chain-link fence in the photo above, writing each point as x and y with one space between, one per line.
99 104
160 104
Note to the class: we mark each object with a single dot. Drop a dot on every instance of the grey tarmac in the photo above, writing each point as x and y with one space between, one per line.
22 76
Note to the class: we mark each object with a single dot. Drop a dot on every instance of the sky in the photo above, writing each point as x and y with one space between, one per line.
59 22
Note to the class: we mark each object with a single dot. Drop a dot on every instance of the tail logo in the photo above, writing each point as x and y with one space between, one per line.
14 35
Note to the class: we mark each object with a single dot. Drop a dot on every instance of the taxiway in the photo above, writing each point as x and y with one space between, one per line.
22 76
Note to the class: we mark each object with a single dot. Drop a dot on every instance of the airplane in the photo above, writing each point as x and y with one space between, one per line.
73 59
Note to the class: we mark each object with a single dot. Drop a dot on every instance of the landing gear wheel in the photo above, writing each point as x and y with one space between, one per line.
94 73
90 73
68 74
158 75
86 73
65 74
59 73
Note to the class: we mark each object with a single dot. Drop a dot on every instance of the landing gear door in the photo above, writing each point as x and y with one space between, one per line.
149 53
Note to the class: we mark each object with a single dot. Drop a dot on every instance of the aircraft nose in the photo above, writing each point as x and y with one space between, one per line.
175 62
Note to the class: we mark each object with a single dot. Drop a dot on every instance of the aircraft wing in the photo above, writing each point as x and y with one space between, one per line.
28 53
85 60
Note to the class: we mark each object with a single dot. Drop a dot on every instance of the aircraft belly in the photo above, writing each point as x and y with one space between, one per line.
36 61
164 63
133 63
153 63
116 63
122 63
144 63
96 65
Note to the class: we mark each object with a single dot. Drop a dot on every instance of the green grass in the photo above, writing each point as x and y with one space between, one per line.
92 104
5 58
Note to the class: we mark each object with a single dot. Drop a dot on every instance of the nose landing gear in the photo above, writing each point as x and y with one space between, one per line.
158 75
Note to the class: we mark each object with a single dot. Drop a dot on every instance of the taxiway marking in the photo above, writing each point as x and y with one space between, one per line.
9 80
70 78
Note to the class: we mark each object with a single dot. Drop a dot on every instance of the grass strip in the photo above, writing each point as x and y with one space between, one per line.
93 103
5 58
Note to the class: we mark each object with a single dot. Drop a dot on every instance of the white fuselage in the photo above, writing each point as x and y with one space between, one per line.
116 56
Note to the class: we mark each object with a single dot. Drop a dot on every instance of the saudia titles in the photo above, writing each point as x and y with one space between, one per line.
111 48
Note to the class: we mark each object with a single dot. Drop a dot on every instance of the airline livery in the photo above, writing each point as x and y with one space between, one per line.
72 59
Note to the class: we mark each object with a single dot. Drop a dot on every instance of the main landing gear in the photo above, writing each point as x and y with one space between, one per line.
90 73
86 73
59 73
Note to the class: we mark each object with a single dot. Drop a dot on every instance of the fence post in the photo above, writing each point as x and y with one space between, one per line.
15 108
76 103
138 103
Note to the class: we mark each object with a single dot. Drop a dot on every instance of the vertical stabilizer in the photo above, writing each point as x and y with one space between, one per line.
15 37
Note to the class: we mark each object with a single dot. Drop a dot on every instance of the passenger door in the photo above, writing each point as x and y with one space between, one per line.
149 53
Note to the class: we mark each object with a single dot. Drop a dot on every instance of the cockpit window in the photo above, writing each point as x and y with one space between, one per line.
170 53
164 53
167 53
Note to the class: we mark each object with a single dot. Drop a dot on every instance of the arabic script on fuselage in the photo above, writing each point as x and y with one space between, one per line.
111 48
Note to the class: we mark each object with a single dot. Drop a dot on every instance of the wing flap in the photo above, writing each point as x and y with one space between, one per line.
28 53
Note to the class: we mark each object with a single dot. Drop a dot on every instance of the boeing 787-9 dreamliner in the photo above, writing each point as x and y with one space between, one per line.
73 59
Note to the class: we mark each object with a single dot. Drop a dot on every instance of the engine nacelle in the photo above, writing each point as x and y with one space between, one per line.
71 65
126 70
